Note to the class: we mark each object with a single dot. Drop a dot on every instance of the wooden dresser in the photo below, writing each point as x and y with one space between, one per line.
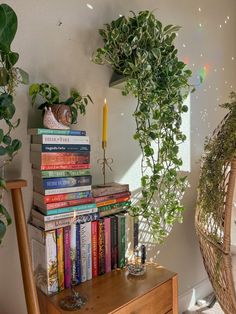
117 292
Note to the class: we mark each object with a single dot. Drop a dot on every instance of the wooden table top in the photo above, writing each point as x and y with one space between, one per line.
113 290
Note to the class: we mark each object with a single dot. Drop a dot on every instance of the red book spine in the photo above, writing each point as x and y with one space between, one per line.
65 167
107 231
64 158
110 197
113 201
80 201
94 227
67 259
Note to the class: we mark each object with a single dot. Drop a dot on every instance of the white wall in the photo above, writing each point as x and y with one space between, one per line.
55 40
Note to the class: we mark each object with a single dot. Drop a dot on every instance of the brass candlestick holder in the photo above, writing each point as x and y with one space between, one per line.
105 162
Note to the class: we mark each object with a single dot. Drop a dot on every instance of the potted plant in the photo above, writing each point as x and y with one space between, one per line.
10 77
142 50
66 112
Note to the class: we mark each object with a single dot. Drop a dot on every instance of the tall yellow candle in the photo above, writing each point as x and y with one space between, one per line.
104 125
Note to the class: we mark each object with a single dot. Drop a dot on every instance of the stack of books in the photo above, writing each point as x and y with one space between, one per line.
70 239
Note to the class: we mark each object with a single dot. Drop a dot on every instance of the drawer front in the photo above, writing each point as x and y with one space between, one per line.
158 300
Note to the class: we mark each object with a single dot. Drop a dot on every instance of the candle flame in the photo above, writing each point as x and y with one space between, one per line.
105 101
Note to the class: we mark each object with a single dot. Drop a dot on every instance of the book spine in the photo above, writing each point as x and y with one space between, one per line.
58 183
68 209
78 254
116 205
89 250
61 223
60 139
97 192
48 148
114 242
129 248
73 251
136 232
112 212
51 256
61 197
41 131
121 241
101 247
60 259
81 213
94 236
85 200
67 190
59 158
113 201
83 250
60 173
63 167
109 197
67 259
107 231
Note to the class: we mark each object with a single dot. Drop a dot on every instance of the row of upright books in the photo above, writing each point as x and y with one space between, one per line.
69 215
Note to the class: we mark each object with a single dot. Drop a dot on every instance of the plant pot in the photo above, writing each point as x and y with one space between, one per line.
62 113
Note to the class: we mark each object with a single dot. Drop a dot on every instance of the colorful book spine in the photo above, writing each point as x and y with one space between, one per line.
61 223
101 247
121 241
94 236
40 131
63 167
67 259
49 206
83 250
50 148
110 197
113 201
61 197
113 211
68 209
44 260
110 189
89 250
73 251
64 182
60 173
59 139
78 254
37 158
60 259
112 206
64 190
107 232
114 242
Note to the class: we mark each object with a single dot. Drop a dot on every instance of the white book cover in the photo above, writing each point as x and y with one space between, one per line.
89 250
83 252
59 139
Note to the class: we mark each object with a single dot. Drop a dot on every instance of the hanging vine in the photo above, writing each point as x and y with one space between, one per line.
142 50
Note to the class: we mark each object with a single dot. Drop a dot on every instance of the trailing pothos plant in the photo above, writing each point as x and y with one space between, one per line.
10 77
142 50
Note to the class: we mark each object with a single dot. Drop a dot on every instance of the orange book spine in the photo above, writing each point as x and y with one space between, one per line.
114 201
63 158
60 259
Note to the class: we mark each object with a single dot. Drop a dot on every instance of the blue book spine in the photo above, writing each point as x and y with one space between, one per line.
69 209
65 148
78 254
66 182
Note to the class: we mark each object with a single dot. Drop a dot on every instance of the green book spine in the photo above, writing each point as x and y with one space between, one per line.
60 173
113 206
121 241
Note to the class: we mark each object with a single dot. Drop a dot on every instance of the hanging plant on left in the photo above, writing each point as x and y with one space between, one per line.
10 77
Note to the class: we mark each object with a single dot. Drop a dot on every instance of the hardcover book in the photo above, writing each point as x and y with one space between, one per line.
109 189
61 183
40 131
44 261
60 258
60 197
54 148
62 167
101 247
123 205
67 209
114 242
49 206
114 211
60 173
111 197
83 252
59 139
78 253
48 159
113 201
94 236
121 241
107 232
89 250
67 259
63 190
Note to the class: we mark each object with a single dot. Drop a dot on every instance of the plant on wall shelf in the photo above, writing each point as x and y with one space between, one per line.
51 96
142 50
10 77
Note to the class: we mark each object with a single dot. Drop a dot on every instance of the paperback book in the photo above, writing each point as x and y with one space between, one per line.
53 148
59 139
40 131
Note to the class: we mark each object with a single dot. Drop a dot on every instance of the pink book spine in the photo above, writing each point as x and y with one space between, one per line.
94 236
107 229
67 260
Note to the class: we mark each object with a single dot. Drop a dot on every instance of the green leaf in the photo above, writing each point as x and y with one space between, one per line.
3 76
3 184
8 27
5 213
7 139
1 135
24 76
2 151
16 145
